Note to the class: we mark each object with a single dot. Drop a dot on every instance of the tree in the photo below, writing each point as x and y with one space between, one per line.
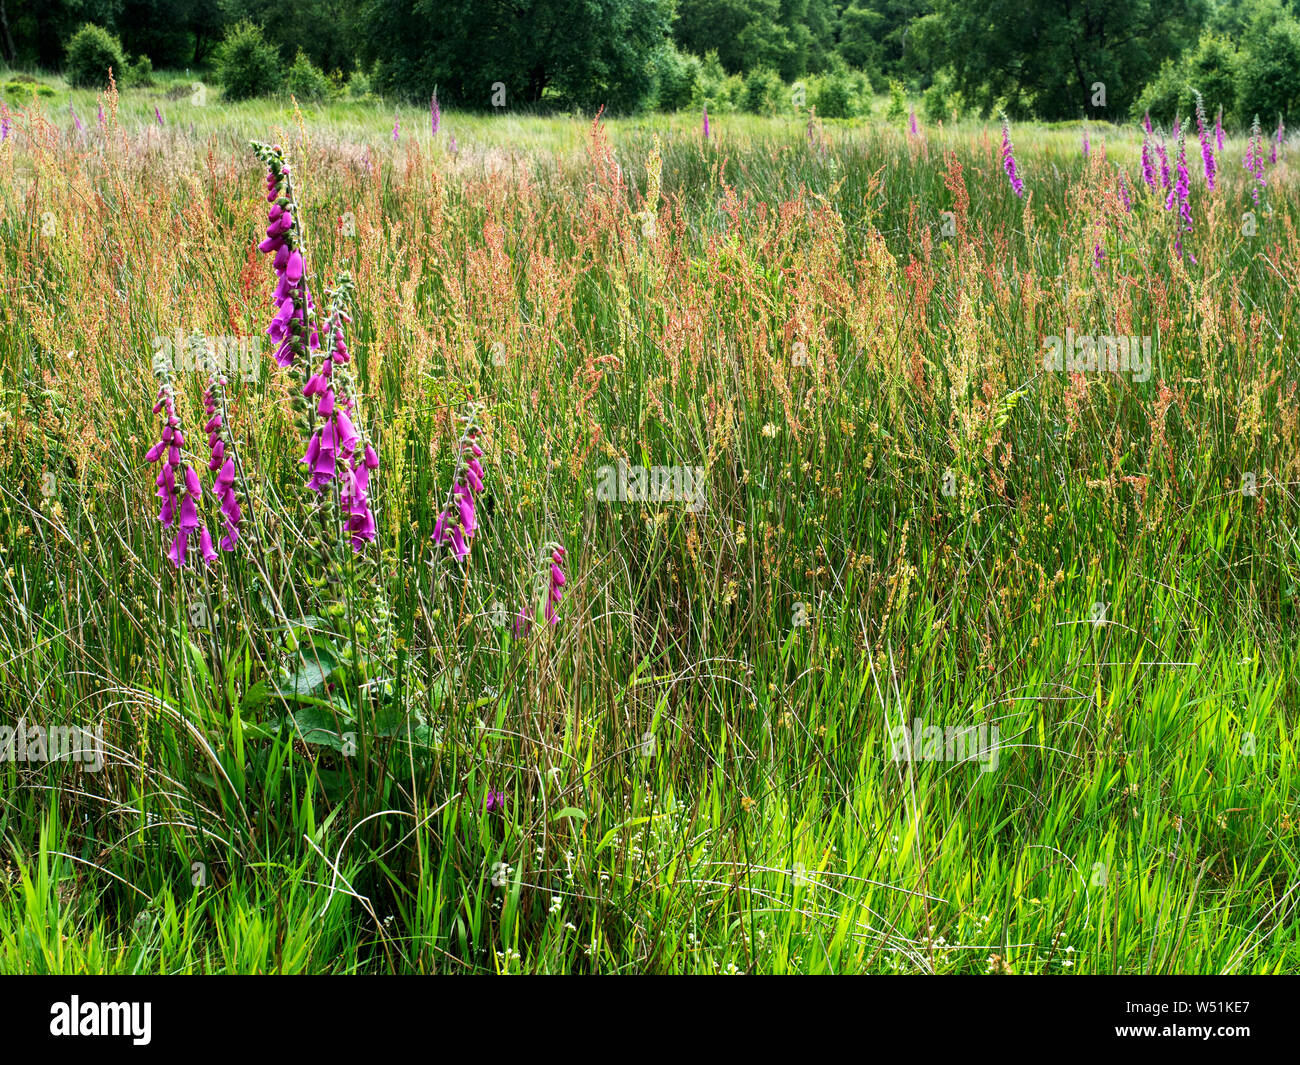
92 53
1045 56
173 33
1269 72
327 31
247 65
874 33
745 33
585 53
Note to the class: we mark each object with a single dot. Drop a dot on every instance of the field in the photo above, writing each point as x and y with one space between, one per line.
882 515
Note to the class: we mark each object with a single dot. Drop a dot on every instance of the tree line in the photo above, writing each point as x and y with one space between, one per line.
1053 59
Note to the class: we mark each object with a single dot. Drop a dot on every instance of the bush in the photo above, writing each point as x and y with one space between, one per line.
843 94
306 80
1269 81
934 104
92 52
358 83
765 92
247 65
1165 95
675 75
1212 69
715 90
25 88
897 102
140 73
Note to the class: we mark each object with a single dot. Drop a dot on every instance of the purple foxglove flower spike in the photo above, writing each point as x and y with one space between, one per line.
222 464
1207 152
1009 160
177 482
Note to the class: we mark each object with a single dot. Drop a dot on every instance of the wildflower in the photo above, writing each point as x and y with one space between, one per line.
293 302
1277 144
911 125
1207 152
706 121
1218 128
1148 164
75 117
495 803
337 452
451 145
157 114
523 621
1085 141
435 113
558 580
1164 163
1255 159
177 481
1125 195
1179 196
1009 159
222 462
457 523
397 126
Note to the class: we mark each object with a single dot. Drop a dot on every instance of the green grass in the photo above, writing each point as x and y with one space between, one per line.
1141 817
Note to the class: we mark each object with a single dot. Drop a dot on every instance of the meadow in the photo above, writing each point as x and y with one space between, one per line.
894 518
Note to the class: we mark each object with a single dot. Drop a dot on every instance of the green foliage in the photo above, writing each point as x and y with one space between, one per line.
585 54
22 89
305 80
842 93
935 104
897 102
139 73
720 92
92 53
1211 69
765 92
247 65
1044 59
1268 83
675 75
358 84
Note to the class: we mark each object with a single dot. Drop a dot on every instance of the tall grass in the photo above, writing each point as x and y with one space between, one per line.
905 517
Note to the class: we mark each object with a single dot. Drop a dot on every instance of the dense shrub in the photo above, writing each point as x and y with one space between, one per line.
897 102
843 93
715 89
92 52
140 72
765 92
1269 79
675 75
934 103
247 65
306 80
358 83
1211 69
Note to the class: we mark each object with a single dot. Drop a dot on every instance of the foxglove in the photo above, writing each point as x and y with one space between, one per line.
1009 160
